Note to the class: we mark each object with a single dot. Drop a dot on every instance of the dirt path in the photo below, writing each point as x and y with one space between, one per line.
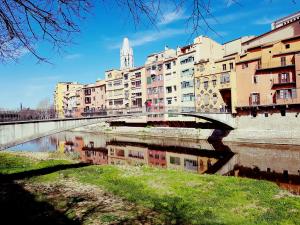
89 204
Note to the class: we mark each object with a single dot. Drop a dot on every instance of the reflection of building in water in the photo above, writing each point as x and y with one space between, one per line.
127 155
157 158
61 146
95 155
193 163
89 152
277 163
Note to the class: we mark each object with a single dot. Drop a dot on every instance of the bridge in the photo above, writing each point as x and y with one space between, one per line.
17 132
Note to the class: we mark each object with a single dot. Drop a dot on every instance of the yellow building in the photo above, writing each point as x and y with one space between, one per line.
59 93
115 91
215 79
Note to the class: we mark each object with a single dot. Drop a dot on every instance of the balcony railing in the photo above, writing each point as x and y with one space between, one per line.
274 65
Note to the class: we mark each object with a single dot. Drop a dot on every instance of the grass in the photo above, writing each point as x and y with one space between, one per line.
178 197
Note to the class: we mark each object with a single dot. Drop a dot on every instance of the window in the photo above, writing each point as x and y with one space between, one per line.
255 79
174 63
117 82
87 100
187 84
225 78
214 82
138 83
188 97
159 67
254 99
283 61
205 84
93 89
149 80
109 75
174 87
284 94
110 84
169 89
231 66
126 85
224 67
153 67
174 160
244 65
138 75
168 66
187 60
215 97
160 89
149 91
87 91
169 101
287 46
284 78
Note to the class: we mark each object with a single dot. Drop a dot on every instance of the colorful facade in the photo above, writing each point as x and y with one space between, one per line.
242 76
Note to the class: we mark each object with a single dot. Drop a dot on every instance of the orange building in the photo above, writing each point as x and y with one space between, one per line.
268 72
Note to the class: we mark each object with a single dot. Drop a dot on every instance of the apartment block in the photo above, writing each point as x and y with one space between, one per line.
115 91
215 78
70 101
268 74
59 93
94 97
155 83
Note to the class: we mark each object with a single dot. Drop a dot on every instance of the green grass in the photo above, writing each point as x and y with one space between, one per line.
179 197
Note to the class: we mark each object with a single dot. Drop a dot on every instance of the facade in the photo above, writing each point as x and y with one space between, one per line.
268 77
243 76
94 97
215 79
115 91
59 93
70 100
136 92
155 83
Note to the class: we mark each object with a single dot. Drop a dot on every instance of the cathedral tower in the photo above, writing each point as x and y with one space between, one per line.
126 55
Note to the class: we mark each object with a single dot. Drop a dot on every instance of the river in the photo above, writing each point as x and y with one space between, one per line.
276 163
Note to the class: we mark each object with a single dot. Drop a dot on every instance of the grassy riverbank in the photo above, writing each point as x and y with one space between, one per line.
143 195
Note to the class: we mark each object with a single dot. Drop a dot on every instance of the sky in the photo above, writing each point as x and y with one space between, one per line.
96 47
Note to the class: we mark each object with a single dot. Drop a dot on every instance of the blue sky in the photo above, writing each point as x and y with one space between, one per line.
97 46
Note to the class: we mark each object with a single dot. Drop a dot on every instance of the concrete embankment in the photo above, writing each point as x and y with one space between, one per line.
274 129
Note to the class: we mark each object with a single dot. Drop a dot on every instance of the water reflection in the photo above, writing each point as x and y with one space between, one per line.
277 163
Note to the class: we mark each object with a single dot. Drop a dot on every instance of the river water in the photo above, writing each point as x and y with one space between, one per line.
276 163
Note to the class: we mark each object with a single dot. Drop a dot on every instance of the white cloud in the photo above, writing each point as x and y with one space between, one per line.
172 16
149 36
73 56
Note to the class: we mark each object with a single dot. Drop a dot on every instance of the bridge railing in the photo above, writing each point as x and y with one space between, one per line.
46 114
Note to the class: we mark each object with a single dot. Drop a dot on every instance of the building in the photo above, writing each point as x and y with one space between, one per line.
94 97
215 77
155 85
268 73
70 99
285 20
115 96
60 90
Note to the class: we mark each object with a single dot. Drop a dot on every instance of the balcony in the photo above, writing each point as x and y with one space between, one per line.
279 83
274 65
